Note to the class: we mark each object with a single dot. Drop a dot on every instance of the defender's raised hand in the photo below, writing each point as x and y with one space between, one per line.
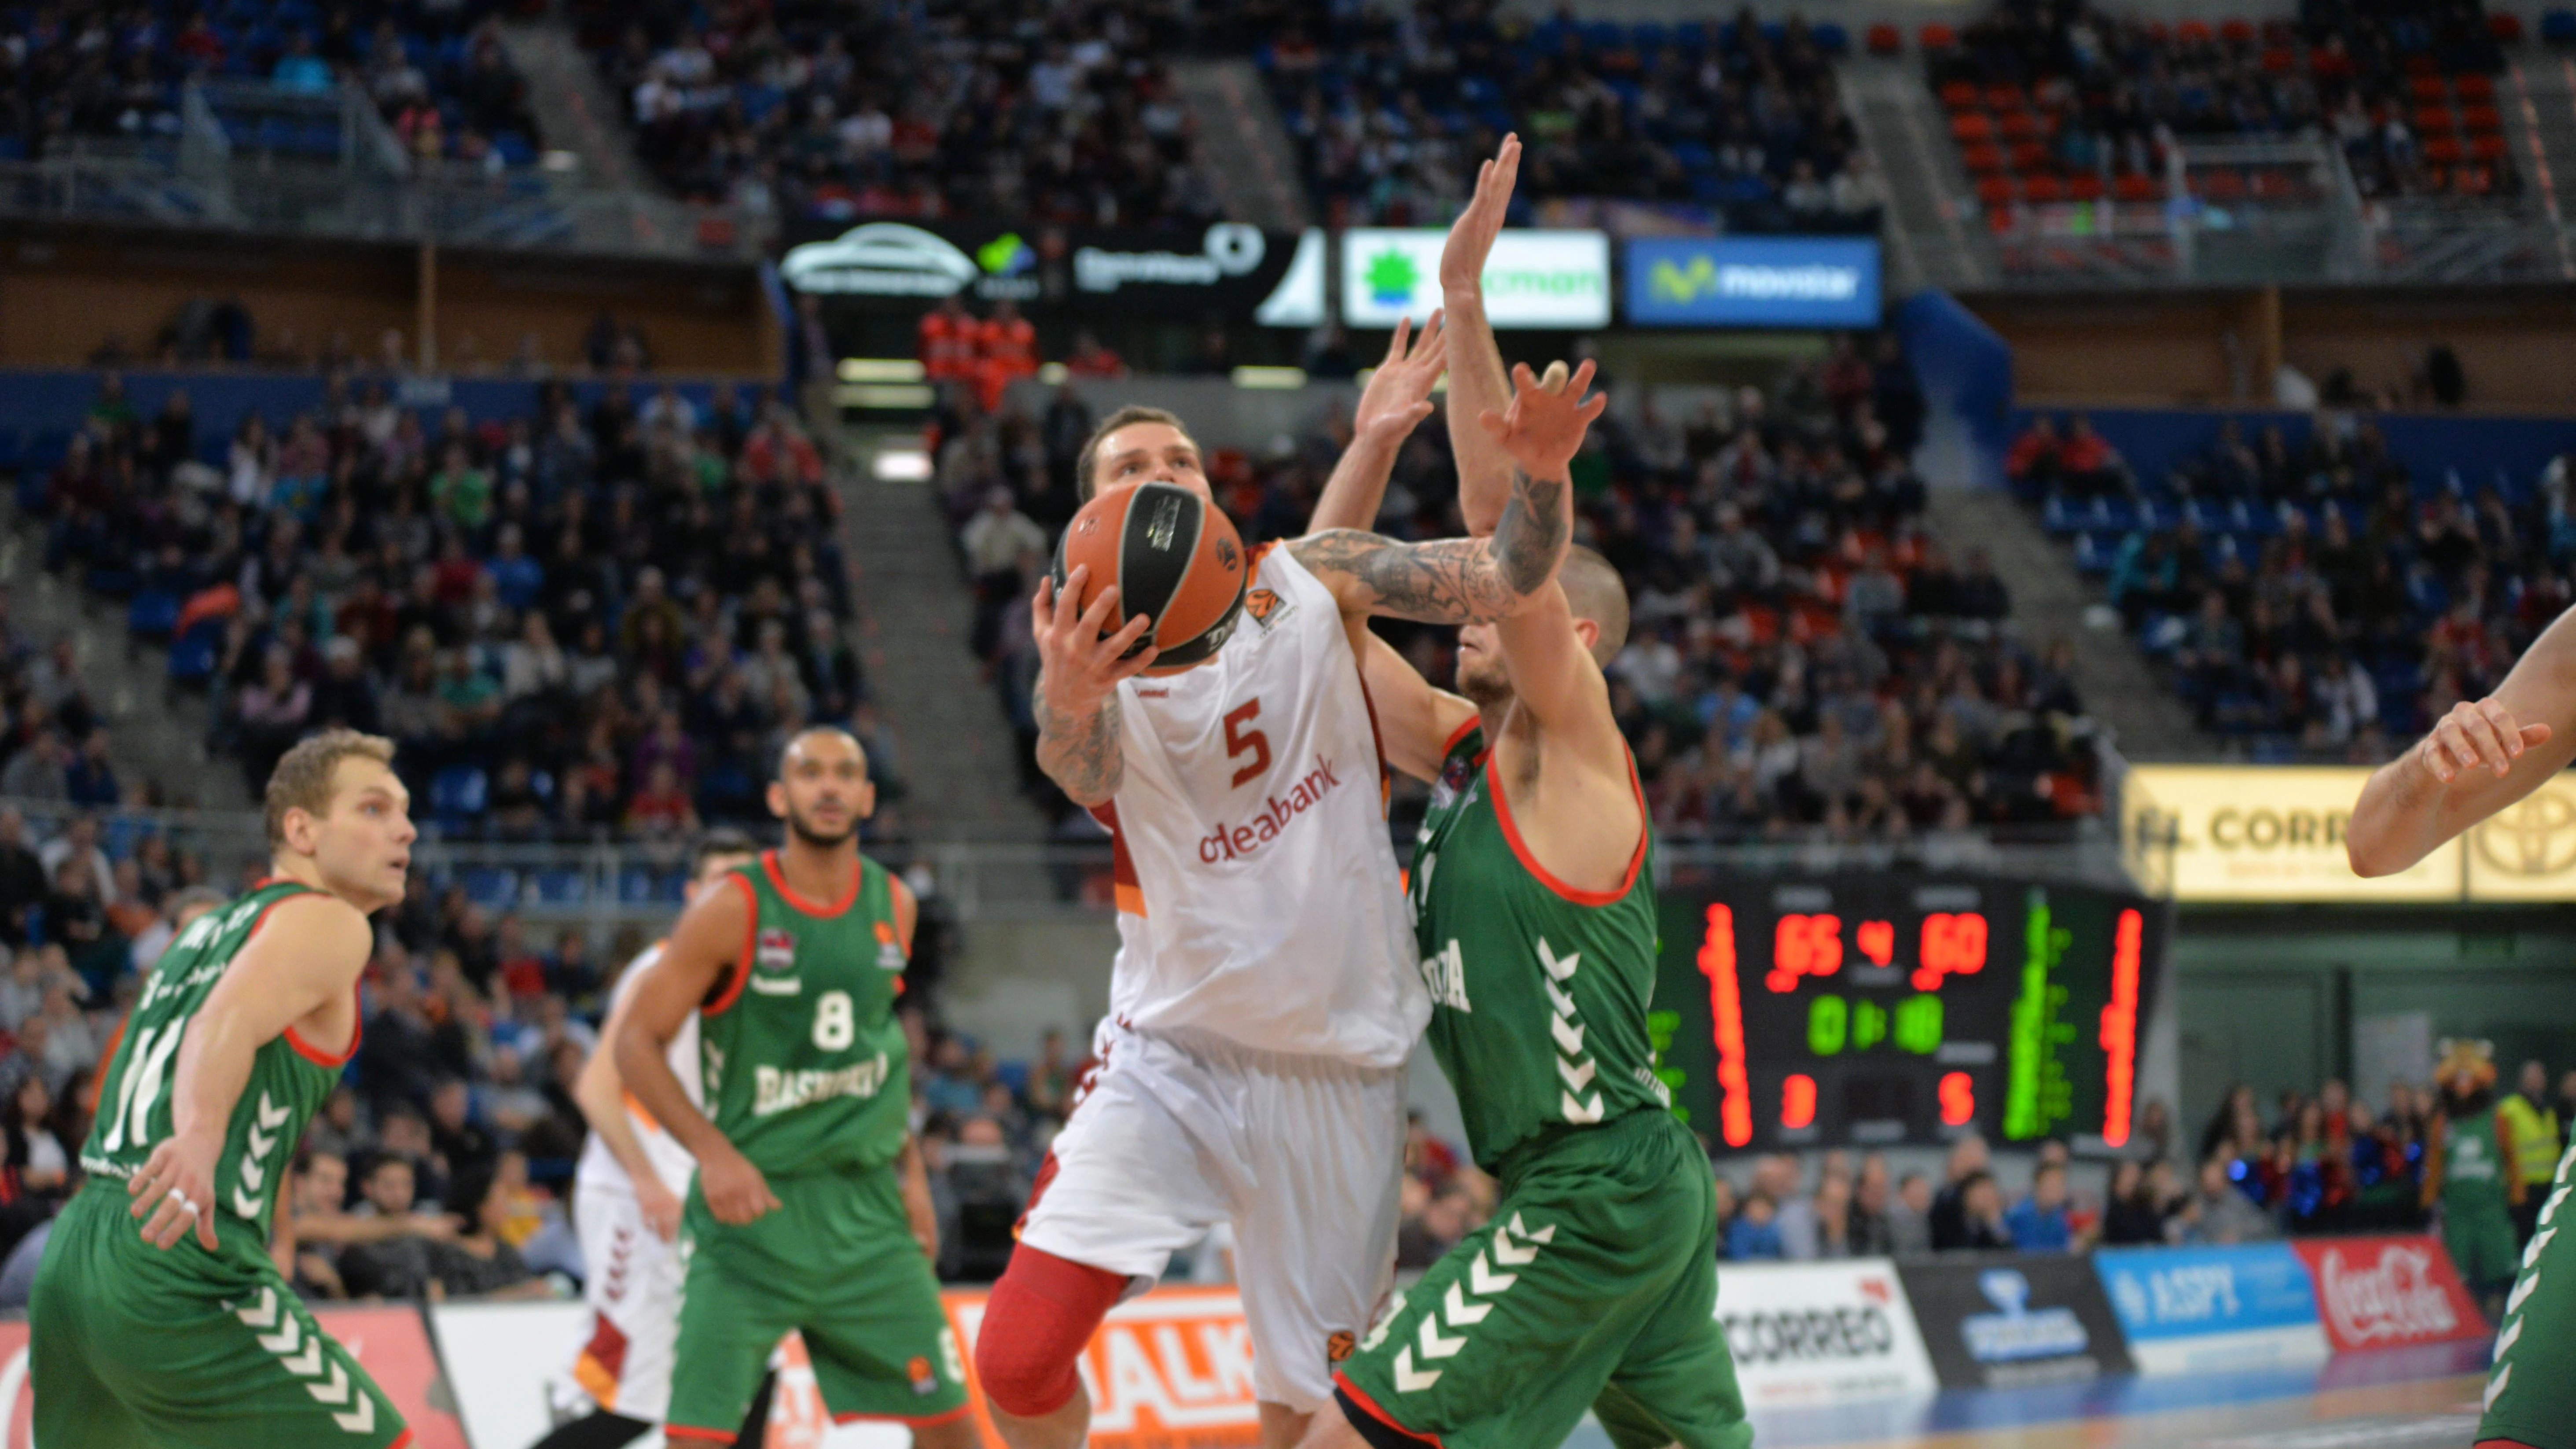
1543 427
1471 236
1398 395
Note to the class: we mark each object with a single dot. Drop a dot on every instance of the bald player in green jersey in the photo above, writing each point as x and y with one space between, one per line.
811 1208
2478 759
157 1320
1594 1287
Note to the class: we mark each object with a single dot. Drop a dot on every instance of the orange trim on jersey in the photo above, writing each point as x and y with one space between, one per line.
691 1431
357 1006
106 1055
1360 1397
596 1381
1529 862
1253 556
778 879
1458 736
645 1116
750 934
932 1421
404 1442
1124 887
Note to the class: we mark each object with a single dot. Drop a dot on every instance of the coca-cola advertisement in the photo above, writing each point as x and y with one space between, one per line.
2384 1292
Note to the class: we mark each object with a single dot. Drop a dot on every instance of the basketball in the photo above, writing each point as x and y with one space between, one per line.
1174 558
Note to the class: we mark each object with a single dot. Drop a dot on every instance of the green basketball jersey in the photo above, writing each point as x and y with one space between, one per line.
2472 1162
1538 991
289 1079
806 1068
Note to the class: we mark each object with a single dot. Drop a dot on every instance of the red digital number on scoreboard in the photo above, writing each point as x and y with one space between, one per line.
1953 945
1804 946
1798 1101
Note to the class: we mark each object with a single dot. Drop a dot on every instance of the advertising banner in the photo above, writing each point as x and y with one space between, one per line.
2387 1291
2191 1309
1230 268
1556 279
1821 1333
2265 833
1807 281
1993 1320
388 1342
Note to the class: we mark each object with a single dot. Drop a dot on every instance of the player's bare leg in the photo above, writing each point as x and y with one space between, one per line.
1282 1427
955 1434
1330 1429
1066 1428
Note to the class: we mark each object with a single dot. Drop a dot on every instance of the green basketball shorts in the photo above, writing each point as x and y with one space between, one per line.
2480 1239
134 1348
837 1262
2531 1391
1594 1287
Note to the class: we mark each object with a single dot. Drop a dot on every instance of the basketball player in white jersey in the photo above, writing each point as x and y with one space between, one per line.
1266 995
627 1192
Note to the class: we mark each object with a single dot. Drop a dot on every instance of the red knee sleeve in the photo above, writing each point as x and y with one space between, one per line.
1036 1324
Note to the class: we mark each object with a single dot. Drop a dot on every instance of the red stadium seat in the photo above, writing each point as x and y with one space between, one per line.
2043 188
2442 151
2021 126
1937 37
2084 187
2432 120
2280 60
2192 32
2134 187
2429 90
1972 126
2006 98
1959 96
2029 156
2476 89
1886 39
2487 148
1982 157
1999 219
2505 26
2221 184
1995 191
2478 120
2237 32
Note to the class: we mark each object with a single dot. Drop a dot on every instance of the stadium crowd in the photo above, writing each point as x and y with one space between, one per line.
436 73
1393 107
585 621
808 110
2314 597
2069 92
1806 661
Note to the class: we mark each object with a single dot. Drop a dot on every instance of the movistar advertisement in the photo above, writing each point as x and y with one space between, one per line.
1807 281
1229 268
1533 279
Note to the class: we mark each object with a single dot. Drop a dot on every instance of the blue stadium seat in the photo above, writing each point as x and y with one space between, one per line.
635 885
193 657
2558 27
459 793
559 886
492 887
1832 39
152 614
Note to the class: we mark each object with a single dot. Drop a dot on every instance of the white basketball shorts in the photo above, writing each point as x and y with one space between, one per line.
1301 1155
632 1285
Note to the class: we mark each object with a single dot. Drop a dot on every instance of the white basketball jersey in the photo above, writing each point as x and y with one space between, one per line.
1258 896
671 1161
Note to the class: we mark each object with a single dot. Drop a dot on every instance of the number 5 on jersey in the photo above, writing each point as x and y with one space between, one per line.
1241 741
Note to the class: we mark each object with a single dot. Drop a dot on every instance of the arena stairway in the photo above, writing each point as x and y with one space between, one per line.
155 732
1933 235
2049 599
1244 151
959 762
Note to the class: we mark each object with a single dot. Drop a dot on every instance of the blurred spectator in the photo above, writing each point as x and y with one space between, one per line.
1754 1235
2038 1223
1981 1225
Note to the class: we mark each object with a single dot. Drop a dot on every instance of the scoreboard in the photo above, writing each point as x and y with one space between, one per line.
1872 1009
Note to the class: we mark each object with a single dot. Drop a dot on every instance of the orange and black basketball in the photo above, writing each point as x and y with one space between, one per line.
1175 559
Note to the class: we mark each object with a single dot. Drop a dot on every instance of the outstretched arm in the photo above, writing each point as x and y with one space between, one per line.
1477 383
1395 401
2481 757
306 956
1415 718
1077 694
1472 580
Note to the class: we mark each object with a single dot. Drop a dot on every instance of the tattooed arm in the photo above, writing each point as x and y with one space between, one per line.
1451 580
1077 695
1475 580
